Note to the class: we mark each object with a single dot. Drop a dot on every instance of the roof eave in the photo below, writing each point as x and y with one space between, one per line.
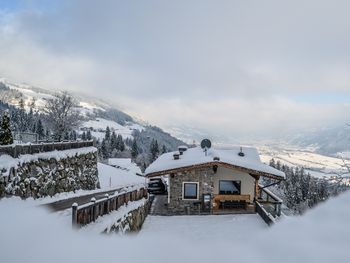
222 164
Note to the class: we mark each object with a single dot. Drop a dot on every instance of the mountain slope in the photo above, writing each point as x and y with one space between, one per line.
96 114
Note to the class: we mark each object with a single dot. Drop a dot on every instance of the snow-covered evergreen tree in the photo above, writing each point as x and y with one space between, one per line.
120 143
154 150
39 129
300 190
5 131
88 135
134 149
108 134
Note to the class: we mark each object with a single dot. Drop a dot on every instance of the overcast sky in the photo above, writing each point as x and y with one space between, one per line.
234 68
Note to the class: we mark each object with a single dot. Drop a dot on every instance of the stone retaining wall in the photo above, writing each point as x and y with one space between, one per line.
40 177
132 222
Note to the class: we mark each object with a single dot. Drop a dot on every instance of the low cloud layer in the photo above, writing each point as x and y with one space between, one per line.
230 67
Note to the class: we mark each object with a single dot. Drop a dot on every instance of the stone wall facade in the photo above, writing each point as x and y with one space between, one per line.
179 206
47 177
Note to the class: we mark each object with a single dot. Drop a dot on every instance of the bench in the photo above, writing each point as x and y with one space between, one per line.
231 201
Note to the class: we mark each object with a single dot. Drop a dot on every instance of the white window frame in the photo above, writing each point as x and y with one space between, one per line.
183 191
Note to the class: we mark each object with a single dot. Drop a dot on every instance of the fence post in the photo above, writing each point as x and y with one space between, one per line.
74 215
94 210
108 203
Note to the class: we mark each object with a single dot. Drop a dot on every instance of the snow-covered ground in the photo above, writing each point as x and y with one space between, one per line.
32 234
316 164
197 228
99 126
111 177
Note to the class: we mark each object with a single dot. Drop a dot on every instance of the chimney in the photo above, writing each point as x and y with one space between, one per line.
176 156
182 149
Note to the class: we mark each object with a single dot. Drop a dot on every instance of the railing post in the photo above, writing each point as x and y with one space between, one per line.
74 215
94 210
108 204
279 209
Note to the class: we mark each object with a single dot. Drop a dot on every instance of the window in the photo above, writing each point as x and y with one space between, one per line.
190 191
229 187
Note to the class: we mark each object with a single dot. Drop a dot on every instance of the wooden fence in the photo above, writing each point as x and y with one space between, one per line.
17 150
88 213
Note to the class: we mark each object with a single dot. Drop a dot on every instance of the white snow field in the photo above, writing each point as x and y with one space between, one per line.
197 228
317 165
99 126
31 234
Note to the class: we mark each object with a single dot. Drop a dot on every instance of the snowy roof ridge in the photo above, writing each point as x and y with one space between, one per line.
197 156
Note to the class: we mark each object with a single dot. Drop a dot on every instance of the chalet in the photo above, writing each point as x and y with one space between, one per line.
206 180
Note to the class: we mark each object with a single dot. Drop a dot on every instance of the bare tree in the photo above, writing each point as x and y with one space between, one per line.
61 114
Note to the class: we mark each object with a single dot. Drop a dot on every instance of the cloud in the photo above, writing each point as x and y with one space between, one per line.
200 61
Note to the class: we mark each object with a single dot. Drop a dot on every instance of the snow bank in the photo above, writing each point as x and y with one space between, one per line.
111 177
35 235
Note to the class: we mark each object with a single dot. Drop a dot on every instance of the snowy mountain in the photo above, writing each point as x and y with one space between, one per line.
327 141
96 114
317 151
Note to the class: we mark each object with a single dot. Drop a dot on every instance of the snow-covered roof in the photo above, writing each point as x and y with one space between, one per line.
196 156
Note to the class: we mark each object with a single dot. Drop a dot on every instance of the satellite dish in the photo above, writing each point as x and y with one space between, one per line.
205 144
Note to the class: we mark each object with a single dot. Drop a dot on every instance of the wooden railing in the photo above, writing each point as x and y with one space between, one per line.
88 213
271 202
266 216
17 150
268 205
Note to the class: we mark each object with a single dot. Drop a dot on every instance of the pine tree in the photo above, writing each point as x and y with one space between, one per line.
113 141
48 134
5 132
154 149
164 149
39 129
108 134
73 135
83 136
88 135
120 143
66 135
104 150
134 150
